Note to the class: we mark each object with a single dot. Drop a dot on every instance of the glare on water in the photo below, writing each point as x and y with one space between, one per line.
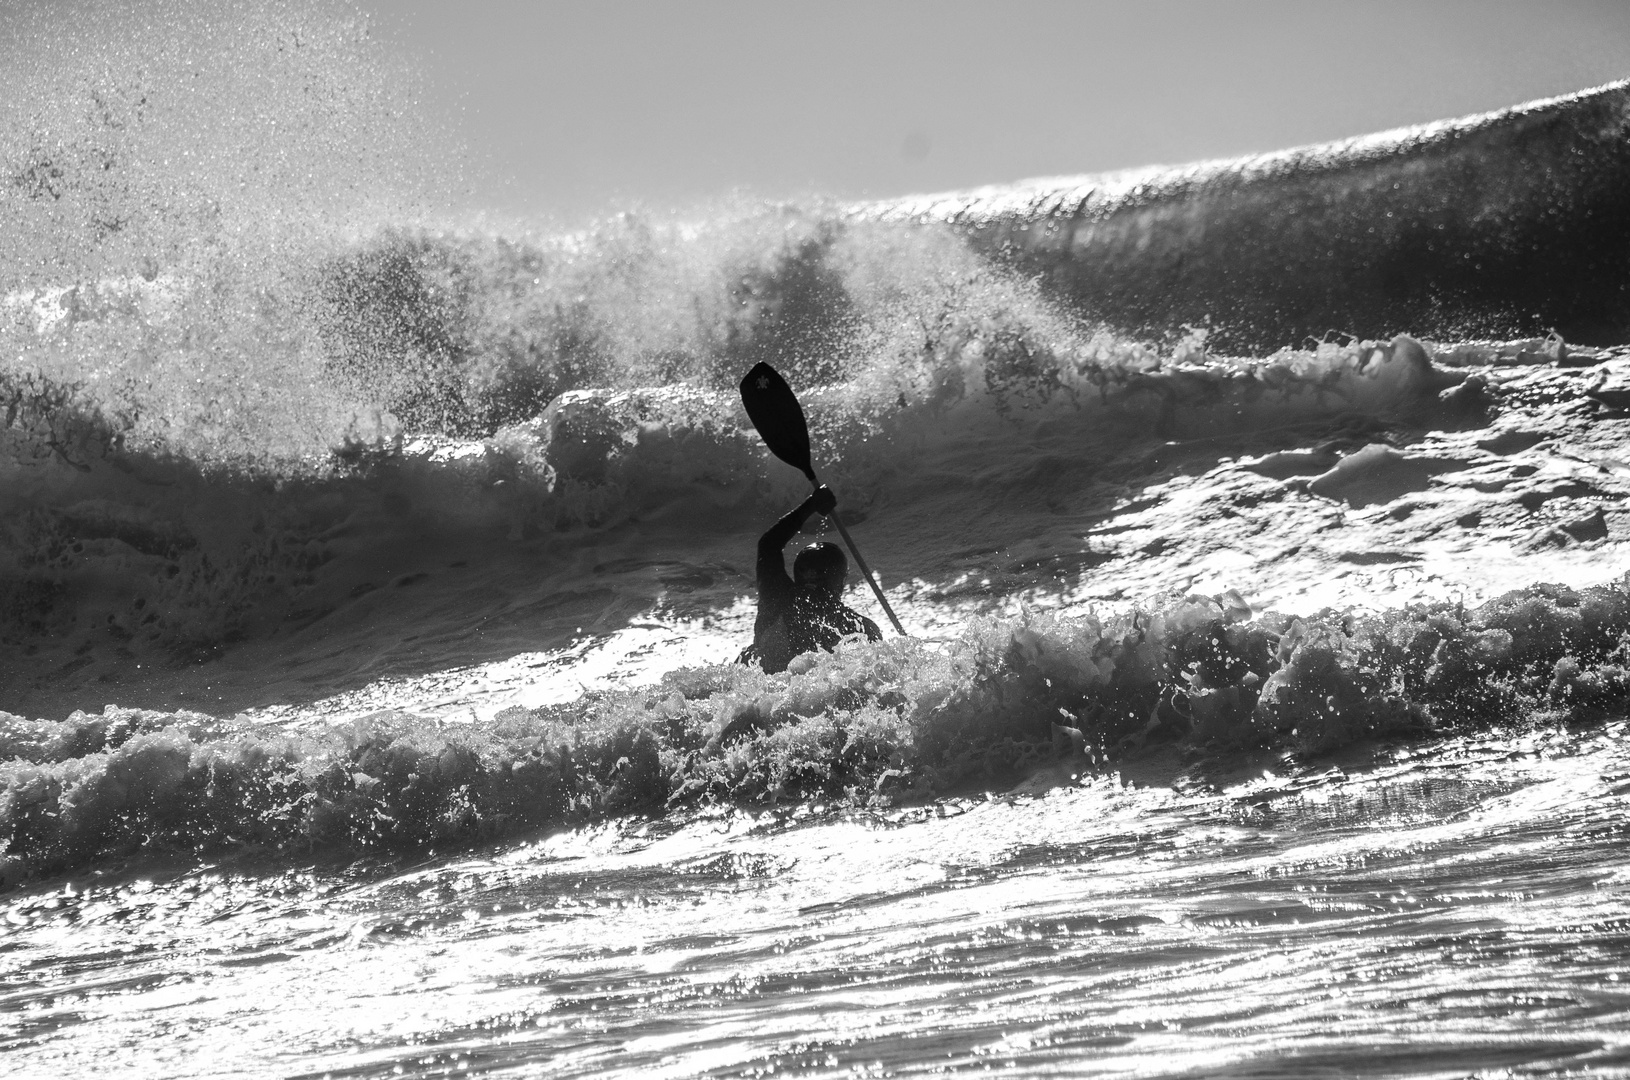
1449 912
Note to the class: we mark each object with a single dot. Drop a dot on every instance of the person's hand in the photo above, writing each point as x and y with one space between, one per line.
824 501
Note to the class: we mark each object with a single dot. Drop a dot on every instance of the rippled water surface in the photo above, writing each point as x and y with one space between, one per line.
1459 910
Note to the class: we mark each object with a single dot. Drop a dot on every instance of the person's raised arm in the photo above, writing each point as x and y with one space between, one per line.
821 501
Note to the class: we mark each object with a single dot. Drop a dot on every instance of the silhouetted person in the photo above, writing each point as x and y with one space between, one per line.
806 611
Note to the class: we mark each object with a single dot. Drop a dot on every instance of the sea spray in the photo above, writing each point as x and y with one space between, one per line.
171 185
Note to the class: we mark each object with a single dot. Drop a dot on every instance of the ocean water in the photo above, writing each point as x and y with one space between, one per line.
370 581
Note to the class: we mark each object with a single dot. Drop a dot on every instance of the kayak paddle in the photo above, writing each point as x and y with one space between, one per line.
774 410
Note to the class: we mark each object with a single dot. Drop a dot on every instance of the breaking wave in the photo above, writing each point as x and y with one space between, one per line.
866 727
217 379
179 556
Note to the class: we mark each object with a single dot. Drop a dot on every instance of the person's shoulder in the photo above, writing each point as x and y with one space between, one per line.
771 573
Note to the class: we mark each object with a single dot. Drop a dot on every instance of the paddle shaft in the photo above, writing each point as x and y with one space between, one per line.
860 561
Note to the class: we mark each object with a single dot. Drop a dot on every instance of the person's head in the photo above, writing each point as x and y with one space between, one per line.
821 568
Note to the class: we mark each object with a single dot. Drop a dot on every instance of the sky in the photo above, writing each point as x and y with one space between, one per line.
568 111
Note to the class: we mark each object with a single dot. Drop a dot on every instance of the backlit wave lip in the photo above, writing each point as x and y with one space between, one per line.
1506 223
1100 194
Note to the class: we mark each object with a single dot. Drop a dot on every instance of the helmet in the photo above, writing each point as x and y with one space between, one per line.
821 564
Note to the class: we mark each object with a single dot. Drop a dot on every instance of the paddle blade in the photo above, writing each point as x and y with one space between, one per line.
774 410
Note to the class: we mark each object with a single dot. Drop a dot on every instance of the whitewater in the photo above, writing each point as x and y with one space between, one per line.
371 581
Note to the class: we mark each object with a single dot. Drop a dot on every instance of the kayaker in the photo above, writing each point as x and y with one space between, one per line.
804 612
